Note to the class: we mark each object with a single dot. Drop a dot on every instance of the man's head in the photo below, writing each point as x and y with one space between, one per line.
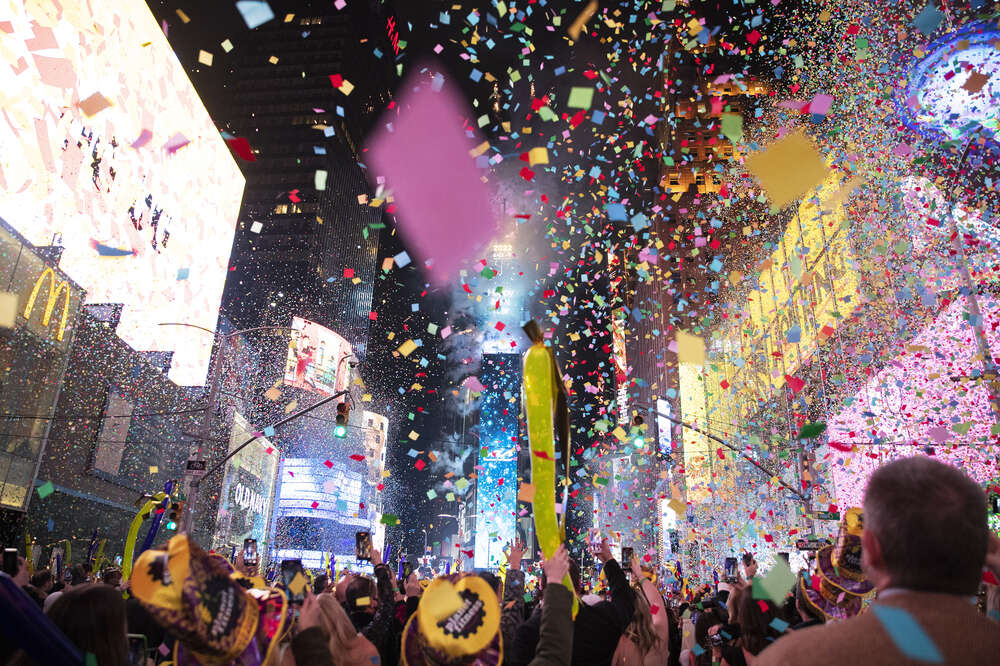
361 595
43 580
320 583
924 528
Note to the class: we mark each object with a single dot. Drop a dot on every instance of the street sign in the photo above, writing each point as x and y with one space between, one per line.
828 515
196 467
811 544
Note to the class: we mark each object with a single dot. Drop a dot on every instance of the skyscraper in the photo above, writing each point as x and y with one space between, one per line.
305 92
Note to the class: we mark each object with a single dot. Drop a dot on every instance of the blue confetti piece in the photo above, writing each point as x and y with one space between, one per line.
616 212
794 334
269 431
402 259
255 12
183 273
697 649
597 117
779 625
907 634
928 19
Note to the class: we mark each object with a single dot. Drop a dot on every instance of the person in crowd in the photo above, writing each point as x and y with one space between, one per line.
93 617
924 544
992 605
808 614
646 640
342 640
43 580
556 632
711 618
512 606
371 607
320 583
112 576
38 586
77 576
755 630
596 629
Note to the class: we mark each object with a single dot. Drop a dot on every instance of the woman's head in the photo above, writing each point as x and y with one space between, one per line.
93 617
641 631
755 624
335 622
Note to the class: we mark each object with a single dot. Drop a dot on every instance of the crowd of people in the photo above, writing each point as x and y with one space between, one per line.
911 578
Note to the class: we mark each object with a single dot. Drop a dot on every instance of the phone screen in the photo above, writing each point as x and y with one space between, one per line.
289 569
10 565
250 552
407 570
730 572
595 542
627 554
363 545
136 650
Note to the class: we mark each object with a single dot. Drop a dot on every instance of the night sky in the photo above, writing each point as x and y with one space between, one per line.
617 47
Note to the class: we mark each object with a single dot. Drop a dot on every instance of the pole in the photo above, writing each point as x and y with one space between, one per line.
188 516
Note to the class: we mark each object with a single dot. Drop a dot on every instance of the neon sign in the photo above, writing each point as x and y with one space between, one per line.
392 33
50 304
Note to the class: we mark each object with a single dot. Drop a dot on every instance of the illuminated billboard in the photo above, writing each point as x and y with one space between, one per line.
318 359
107 151
247 489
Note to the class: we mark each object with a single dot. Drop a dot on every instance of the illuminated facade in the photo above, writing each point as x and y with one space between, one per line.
33 357
247 493
496 488
133 183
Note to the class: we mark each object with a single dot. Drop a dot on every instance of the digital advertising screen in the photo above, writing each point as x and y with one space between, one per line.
107 151
318 359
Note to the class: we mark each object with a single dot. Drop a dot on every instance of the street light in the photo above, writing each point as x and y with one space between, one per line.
193 475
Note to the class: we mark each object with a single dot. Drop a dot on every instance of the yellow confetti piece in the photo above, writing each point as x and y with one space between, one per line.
788 168
538 156
581 20
407 347
414 435
273 60
480 149
690 348
184 17
205 58
227 46
8 309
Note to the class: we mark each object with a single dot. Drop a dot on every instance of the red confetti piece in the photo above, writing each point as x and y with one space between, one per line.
420 464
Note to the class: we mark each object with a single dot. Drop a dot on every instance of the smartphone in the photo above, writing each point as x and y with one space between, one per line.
137 650
10 565
730 569
250 552
627 554
407 570
363 545
289 569
595 541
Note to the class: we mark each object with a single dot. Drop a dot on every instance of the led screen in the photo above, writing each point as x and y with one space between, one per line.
143 194
317 358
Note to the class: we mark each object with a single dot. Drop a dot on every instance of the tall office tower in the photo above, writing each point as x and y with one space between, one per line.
305 93
496 497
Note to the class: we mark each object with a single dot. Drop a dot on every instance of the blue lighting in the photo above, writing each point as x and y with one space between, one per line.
496 490
937 100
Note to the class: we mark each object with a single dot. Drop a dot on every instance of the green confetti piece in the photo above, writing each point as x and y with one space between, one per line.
389 519
811 430
46 489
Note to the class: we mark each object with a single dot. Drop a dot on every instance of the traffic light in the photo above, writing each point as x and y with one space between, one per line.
343 412
174 516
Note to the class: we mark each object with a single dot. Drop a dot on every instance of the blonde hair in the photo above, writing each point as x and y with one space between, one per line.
640 631
336 623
